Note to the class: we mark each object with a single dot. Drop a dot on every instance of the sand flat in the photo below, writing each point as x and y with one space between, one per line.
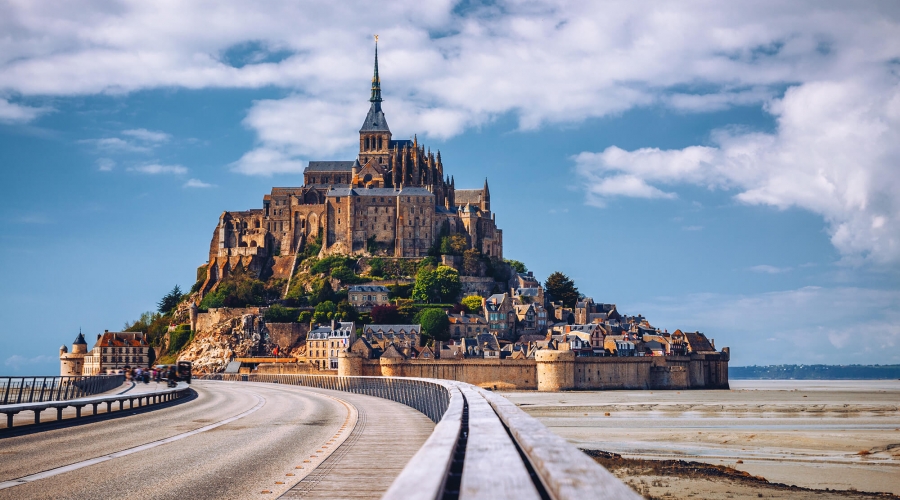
816 434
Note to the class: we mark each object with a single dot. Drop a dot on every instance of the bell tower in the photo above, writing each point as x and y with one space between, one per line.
375 135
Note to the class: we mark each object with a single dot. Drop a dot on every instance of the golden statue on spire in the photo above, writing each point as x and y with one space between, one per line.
376 38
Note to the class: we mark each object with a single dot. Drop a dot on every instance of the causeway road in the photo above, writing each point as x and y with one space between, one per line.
235 440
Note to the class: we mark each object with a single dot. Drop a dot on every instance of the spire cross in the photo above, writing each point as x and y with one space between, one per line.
376 81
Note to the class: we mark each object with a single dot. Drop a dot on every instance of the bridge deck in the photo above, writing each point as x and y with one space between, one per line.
386 436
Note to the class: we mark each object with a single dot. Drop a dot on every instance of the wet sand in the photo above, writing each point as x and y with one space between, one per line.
840 435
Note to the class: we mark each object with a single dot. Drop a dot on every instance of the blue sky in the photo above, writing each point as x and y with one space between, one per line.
729 168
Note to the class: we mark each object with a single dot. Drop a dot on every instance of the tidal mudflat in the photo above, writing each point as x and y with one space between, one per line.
836 435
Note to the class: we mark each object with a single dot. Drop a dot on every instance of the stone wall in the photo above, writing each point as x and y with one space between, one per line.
206 320
506 374
557 371
292 369
474 285
287 335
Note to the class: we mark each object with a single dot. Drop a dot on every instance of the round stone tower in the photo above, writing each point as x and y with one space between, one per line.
349 364
555 370
72 363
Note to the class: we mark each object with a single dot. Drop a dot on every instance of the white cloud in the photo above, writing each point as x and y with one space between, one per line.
445 68
836 153
265 161
16 113
692 228
809 325
197 183
114 145
767 269
105 164
155 169
32 218
16 361
147 135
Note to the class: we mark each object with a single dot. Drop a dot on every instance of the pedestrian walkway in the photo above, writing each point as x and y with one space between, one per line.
128 388
386 436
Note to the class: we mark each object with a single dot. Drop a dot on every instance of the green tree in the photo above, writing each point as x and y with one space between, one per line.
346 311
376 266
454 244
305 317
472 262
325 311
321 291
435 324
561 288
519 266
473 304
439 285
169 301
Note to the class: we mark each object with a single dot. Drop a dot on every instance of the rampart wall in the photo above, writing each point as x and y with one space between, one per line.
557 371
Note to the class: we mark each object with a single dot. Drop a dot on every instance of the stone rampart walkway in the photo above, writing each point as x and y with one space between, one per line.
386 436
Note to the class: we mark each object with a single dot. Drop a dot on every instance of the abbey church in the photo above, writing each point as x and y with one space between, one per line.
393 200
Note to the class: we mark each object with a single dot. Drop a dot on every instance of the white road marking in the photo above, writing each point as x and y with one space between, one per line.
86 463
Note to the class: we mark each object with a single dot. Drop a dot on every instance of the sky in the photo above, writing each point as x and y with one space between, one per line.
727 167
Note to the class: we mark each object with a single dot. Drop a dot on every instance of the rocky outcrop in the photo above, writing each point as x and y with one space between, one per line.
234 335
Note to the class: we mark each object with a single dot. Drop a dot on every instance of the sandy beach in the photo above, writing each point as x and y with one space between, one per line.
837 435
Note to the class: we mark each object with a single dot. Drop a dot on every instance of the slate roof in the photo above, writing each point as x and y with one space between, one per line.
416 329
697 342
348 191
467 319
463 196
79 339
375 121
368 288
490 339
329 166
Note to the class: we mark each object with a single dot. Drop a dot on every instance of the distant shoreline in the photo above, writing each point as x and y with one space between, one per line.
815 372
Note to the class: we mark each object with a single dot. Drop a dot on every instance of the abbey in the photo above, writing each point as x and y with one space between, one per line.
393 200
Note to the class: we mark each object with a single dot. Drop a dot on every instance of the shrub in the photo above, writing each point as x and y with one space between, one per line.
376 266
280 314
386 315
178 338
473 304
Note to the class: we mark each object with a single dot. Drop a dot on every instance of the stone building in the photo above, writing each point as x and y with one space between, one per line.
72 363
394 199
324 342
401 336
499 310
365 297
117 350
466 325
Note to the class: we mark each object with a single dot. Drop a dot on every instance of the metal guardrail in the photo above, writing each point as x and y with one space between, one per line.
17 390
143 399
482 446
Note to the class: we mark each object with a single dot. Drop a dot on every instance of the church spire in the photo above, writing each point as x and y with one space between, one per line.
376 80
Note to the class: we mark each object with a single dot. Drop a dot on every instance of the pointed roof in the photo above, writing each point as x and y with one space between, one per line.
79 339
375 121
487 192
376 80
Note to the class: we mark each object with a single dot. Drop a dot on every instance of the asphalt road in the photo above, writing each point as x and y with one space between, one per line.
272 430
